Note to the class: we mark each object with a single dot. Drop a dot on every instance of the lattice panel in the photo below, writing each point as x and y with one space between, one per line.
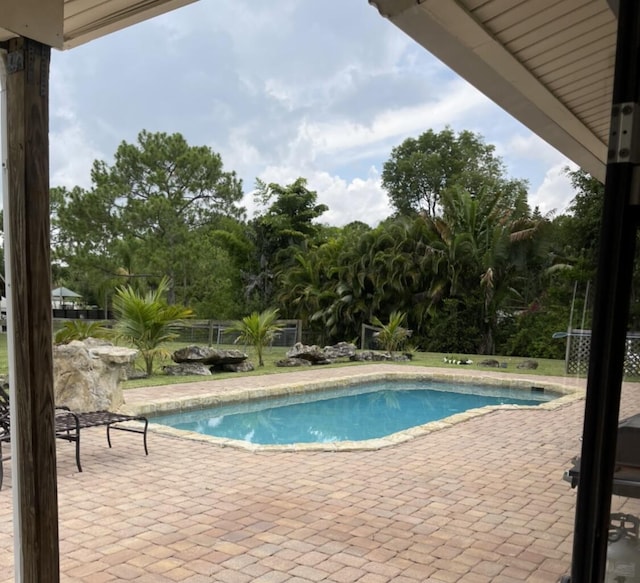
579 346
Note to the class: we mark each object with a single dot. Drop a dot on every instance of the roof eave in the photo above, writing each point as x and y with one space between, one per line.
47 21
450 33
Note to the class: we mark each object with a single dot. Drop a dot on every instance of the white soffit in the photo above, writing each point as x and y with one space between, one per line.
548 63
78 21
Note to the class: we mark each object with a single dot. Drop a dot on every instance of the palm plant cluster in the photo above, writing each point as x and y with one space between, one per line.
146 321
464 259
257 330
465 269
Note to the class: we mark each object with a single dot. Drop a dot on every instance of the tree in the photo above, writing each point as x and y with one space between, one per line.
480 253
146 320
393 335
420 170
152 203
582 233
257 330
285 227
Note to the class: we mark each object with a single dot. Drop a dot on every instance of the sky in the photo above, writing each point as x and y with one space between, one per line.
281 89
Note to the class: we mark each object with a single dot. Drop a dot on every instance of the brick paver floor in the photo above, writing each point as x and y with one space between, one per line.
480 501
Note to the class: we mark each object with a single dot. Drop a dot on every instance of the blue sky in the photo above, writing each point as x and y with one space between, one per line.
280 89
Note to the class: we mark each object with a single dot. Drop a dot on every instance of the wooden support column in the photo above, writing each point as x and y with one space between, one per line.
27 250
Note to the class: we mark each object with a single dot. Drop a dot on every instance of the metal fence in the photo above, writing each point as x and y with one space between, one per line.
215 332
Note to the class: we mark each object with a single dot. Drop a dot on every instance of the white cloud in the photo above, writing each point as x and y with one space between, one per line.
72 152
241 155
357 200
454 103
281 90
360 199
555 192
533 147
72 155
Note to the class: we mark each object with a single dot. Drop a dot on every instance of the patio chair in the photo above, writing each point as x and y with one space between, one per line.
4 430
69 423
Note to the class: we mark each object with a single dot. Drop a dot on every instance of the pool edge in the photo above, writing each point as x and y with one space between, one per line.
569 394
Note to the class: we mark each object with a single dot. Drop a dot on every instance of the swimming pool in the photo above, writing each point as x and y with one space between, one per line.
357 413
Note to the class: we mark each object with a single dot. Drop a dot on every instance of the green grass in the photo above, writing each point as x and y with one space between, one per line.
427 359
4 355
272 355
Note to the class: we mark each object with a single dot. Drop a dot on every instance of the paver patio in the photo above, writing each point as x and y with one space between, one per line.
480 501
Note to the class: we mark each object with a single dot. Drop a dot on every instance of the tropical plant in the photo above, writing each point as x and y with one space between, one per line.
393 335
146 320
480 252
81 330
286 226
257 330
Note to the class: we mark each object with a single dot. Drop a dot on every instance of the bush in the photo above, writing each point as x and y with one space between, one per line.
81 330
534 335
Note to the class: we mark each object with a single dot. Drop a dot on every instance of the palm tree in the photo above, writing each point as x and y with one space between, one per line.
257 330
480 249
393 335
146 320
81 330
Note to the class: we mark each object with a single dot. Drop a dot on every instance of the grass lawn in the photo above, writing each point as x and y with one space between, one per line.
271 355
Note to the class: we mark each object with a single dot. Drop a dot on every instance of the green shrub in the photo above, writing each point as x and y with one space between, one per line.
81 330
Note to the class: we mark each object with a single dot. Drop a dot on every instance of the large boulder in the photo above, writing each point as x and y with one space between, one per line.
370 355
87 374
316 355
340 350
293 362
210 356
490 362
312 353
244 366
529 364
187 368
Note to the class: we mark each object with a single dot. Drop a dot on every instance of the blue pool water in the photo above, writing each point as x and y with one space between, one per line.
360 412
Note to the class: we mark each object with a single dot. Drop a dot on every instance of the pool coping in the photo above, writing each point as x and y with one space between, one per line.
569 394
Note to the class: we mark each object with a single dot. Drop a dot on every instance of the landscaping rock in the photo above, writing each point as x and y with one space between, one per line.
528 364
490 362
340 350
292 362
206 355
187 368
313 353
244 366
87 374
133 373
367 355
327 355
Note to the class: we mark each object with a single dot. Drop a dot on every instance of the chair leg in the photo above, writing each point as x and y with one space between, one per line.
144 436
131 430
78 449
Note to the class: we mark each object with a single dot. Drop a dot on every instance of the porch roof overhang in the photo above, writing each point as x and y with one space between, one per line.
64 24
547 63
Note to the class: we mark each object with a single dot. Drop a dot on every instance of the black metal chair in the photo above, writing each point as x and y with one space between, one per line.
5 435
69 423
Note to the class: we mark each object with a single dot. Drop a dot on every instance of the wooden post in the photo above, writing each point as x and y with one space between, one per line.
28 266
